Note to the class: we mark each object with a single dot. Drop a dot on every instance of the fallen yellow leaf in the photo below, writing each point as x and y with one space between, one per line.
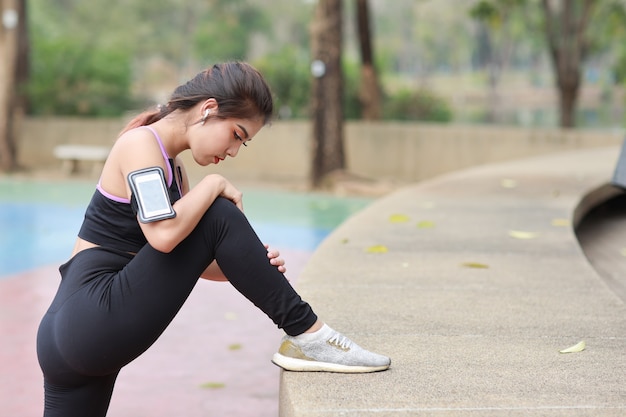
230 316
578 347
425 224
377 249
475 265
508 183
213 385
518 234
561 222
398 218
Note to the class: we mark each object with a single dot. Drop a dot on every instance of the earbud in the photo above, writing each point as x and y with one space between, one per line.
205 115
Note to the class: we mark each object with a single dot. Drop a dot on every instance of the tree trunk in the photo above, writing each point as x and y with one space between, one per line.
327 90
565 30
568 101
22 67
8 51
369 93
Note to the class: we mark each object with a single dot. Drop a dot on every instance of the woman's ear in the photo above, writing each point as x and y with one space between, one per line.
208 108
210 105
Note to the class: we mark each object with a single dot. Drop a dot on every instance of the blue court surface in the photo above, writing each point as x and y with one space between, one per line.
39 220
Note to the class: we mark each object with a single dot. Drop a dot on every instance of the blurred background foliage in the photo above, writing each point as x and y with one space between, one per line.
468 61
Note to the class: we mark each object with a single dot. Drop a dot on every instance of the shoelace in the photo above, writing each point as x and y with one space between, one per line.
340 340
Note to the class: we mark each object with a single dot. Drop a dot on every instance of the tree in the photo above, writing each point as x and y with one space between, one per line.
22 66
9 50
224 32
572 31
497 35
327 90
566 23
369 94
288 74
79 78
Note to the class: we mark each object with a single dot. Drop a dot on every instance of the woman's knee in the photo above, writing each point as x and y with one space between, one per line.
224 215
223 207
222 219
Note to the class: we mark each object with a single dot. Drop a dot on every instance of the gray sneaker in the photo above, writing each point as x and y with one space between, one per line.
327 350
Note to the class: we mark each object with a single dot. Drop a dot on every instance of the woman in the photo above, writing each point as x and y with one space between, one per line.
129 273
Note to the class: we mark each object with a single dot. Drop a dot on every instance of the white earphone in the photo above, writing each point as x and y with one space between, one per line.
205 115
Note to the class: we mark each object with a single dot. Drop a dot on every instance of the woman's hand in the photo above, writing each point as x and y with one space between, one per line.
230 192
275 259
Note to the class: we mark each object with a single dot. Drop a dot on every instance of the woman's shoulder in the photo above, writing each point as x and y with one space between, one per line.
137 142
139 136
136 148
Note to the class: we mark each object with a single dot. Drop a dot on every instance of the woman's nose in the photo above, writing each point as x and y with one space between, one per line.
233 150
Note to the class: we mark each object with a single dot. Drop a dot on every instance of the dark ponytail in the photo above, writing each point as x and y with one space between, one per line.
239 89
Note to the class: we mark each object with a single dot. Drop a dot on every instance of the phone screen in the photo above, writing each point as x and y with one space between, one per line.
151 194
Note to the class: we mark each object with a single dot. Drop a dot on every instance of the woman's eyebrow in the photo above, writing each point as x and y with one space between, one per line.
245 132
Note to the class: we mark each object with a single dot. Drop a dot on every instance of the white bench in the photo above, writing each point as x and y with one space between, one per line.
72 155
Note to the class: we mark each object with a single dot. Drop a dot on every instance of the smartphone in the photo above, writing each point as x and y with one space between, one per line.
150 192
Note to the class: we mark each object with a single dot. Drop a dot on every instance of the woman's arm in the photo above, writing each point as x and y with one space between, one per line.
165 235
137 149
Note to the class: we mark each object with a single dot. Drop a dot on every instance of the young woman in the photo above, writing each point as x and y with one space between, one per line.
130 273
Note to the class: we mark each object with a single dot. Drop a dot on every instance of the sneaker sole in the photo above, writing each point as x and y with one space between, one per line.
301 365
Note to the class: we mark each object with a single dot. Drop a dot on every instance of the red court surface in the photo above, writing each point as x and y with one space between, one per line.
213 360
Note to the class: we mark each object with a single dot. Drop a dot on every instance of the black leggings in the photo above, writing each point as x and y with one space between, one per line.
112 306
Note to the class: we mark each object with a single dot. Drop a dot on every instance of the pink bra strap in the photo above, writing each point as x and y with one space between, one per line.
111 196
170 176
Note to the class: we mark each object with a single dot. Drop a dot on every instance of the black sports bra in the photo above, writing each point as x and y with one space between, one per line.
111 221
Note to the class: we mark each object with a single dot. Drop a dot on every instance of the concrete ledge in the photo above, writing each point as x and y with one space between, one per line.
592 199
282 152
467 341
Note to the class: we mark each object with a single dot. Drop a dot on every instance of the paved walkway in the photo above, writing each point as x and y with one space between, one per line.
472 283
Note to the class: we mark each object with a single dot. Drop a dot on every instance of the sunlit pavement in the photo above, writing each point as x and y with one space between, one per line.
213 360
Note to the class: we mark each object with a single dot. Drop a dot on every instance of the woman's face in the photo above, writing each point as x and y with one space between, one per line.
218 138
